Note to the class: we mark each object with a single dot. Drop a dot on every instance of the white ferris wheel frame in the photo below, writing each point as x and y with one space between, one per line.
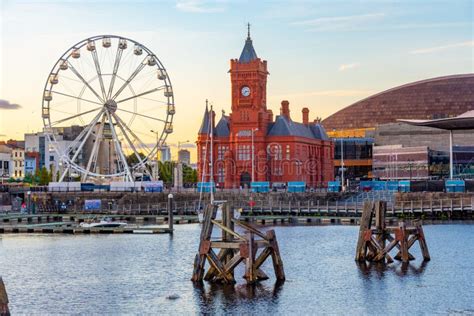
106 110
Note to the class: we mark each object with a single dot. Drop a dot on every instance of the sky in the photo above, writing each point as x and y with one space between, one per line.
324 55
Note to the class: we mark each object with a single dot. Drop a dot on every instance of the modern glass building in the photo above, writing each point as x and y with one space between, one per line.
356 155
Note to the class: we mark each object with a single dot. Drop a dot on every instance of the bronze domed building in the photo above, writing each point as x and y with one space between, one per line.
427 99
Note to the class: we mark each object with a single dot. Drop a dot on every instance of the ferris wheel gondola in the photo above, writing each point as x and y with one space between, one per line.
114 90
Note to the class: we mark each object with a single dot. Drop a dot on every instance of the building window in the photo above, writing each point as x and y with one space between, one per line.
221 150
274 151
203 153
288 152
277 170
221 175
16 154
51 158
16 174
20 173
243 152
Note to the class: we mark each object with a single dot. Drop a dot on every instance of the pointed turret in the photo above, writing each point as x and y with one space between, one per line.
206 121
248 53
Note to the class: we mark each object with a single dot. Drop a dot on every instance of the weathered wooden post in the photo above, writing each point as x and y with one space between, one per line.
170 212
365 223
4 310
371 244
234 249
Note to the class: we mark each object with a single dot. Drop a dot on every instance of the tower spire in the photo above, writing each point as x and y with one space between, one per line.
248 53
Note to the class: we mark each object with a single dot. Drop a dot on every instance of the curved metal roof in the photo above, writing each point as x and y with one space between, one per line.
433 98
464 121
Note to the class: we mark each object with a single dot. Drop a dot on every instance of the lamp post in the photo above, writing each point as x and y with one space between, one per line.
342 158
253 155
157 171
451 155
342 165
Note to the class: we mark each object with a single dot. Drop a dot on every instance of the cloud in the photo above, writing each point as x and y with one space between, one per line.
442 48
6 105
430 25
345 67
338 22
327 93
199 6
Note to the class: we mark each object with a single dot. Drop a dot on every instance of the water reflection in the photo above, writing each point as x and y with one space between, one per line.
379 269
228 297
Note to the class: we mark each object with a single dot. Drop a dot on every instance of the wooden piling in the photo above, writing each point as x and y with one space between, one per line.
371 244
4 310
365 224
234 249
170 212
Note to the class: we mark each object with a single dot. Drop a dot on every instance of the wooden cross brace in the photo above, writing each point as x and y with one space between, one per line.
372 245
234 249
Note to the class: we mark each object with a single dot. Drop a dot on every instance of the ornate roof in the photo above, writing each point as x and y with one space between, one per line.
222 127
284 126
248 53
206 122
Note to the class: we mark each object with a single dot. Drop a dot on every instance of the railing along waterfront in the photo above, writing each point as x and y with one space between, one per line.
267 207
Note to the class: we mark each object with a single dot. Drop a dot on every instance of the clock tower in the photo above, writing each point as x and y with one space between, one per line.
248 76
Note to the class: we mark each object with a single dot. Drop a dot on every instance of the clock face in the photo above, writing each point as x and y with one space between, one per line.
245 91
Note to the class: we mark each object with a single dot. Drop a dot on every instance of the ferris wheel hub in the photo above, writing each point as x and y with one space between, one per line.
111 106
83 90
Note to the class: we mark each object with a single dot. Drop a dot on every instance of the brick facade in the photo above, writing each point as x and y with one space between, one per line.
283 150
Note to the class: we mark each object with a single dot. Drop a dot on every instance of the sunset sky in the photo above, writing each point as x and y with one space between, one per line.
321 54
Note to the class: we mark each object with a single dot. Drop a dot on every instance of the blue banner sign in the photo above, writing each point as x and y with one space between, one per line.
260 187
206 187
296 186
92 205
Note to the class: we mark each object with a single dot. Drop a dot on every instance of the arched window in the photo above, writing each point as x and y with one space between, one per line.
274 151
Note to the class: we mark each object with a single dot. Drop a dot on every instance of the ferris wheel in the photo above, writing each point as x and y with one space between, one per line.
107 108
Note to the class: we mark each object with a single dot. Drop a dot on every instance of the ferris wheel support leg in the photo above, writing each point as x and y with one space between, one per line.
83 132
119 124
63 175
118 148
94 153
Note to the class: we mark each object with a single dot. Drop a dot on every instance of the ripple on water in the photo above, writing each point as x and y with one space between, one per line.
51 274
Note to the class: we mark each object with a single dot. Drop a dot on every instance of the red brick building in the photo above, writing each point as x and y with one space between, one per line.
283 150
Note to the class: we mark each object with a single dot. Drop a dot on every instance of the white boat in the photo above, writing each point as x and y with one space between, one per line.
103 223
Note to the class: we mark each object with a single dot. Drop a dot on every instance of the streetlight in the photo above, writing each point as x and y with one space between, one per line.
157 174
342 165
253 155
342 159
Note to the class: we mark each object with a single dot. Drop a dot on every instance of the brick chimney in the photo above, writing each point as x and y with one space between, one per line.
305 112
270 115
285 109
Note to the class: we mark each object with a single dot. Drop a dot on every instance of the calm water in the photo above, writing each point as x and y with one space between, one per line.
47 274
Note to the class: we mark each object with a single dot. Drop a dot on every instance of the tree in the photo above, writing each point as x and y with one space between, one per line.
189 175
43 176
132 158
166 171
28 178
